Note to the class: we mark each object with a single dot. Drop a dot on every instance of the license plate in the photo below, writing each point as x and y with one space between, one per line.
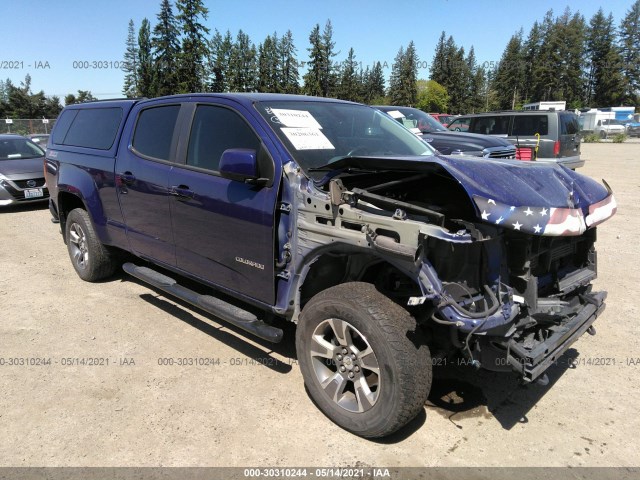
33 193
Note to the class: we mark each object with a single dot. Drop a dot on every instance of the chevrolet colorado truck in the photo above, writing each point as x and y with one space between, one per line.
333 216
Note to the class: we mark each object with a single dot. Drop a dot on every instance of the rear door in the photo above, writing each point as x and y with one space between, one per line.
142 180
224 229
569 135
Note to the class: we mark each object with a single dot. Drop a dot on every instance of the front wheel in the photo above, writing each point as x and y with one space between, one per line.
362 359
89 257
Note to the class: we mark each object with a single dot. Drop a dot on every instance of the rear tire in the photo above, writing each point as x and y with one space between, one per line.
362 359
89 257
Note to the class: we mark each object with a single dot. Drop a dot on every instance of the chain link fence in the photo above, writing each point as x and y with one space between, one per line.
26 126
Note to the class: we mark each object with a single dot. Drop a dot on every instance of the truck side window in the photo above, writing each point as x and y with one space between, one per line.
530 125
93 128
154 131
214 130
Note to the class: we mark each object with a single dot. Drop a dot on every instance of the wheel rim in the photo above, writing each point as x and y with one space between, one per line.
345 365
78 246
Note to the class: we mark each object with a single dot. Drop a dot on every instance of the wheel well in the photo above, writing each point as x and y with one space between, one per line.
66 203
335 268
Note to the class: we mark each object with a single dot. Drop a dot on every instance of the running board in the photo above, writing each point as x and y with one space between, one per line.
215 306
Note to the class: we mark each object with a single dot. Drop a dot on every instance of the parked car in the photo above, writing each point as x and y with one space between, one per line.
447 142
541 135
609 126
333 216
443 118
633 129
21 171
40 139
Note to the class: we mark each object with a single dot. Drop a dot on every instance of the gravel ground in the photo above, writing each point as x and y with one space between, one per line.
245 405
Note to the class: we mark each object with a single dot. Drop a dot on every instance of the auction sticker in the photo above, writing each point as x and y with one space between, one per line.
295 118
307 139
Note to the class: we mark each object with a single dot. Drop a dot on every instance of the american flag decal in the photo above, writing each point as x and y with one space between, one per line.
547 221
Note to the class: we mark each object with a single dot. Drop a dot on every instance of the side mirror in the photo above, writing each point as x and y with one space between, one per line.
241 165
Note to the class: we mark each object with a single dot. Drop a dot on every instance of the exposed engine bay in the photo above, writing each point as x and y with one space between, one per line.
503 284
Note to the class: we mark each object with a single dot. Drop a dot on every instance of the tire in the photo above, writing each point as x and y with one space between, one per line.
391 372
603 134
89 257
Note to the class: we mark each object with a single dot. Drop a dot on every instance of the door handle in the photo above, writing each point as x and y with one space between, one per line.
127 178
182 192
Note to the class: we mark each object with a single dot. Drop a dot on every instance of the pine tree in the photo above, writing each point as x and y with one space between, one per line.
268 65
530 58
458 74
509 80
375 84
439 70
349 85
450 70
242 64
288 64
475 83
329 78
481 80
403 88
145 61
410 73
219 62
572 81
166 47
130 89
194 45
543 71
313 77
607 85
396 94
630 49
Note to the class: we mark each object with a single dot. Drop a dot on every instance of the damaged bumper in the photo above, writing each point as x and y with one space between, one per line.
531 363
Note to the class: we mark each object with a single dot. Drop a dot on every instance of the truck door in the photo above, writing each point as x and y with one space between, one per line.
223 229
569 135
142 178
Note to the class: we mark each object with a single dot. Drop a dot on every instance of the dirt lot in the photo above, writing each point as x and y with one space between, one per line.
248 407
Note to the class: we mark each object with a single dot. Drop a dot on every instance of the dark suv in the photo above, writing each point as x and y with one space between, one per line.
545 136
446 141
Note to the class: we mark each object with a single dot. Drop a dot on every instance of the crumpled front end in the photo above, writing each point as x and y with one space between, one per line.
511 300
504 276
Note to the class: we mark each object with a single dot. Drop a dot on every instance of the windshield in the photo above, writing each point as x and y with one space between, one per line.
19 148
414 118
317 133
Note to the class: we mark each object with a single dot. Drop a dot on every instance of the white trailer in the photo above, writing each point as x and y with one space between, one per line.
589 120
560 105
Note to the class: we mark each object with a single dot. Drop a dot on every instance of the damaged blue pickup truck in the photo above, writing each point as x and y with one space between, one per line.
333 216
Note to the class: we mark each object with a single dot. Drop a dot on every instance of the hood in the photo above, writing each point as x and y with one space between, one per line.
543 199
448 142
21 166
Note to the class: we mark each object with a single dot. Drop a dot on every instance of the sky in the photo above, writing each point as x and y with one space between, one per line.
55 41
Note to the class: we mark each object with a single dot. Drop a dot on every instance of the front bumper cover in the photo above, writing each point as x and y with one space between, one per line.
533 363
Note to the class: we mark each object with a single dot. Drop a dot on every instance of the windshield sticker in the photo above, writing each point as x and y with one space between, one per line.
395 114
295 118
307 139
